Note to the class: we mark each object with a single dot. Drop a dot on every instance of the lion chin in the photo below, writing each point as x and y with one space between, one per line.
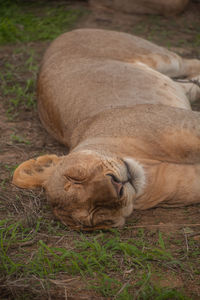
87 190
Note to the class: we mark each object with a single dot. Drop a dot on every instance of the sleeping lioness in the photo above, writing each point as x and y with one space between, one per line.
134 141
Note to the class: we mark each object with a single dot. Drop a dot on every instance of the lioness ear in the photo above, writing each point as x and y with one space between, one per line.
34 172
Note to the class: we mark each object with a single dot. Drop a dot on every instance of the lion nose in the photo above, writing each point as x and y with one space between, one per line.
118 185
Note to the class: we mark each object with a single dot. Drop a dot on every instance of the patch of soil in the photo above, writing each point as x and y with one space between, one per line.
180 33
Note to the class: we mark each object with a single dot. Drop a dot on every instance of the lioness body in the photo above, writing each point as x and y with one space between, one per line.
86 72
106 96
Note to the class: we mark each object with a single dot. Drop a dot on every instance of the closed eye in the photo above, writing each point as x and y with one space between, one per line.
74 180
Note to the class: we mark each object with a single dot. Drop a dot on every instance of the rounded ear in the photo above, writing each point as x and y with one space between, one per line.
34 172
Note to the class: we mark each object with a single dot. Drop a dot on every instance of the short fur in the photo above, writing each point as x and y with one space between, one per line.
134 140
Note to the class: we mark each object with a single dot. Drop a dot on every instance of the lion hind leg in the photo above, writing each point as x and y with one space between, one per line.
170 64
191 67
191 88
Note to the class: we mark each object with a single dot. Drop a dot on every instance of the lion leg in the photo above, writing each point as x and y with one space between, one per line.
191 88
182 185
190 67
171 64
170 185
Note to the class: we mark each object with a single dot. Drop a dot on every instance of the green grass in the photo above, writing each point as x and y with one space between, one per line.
27 21
19 139
150 291
23 22
12 235
96 258
197 40
18 83
162 31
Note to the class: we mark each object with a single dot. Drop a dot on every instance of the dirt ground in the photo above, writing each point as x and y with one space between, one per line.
180 34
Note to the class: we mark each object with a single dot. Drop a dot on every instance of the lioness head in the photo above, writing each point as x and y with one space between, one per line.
87 190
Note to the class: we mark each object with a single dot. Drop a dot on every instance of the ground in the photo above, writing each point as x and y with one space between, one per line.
156 255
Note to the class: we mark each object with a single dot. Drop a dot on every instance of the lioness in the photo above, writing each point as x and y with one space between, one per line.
134 140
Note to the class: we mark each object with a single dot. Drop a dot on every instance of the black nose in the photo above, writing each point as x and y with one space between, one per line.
118 185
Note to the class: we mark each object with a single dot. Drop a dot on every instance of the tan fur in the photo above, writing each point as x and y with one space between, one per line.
134 140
